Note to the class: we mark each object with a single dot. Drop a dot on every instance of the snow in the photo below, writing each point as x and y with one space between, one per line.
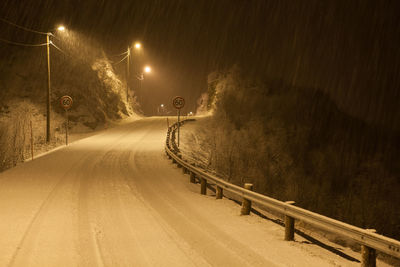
114 199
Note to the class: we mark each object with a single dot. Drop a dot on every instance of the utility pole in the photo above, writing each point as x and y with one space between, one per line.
48 137
127 74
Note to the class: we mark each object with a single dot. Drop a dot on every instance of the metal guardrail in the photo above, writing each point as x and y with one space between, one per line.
364 237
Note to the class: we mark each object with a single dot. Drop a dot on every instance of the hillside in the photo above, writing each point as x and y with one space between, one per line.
296 144
81 71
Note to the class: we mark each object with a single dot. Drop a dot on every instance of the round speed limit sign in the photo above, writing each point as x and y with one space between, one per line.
66 102
178 102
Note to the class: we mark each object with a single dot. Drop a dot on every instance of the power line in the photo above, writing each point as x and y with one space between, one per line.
121 60
23 28
126 52
21 44
69 55
58 48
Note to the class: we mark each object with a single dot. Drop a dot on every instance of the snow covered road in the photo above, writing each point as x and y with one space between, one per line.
114 199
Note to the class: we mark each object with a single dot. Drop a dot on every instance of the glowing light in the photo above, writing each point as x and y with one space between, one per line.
61 28
147 69
138 45
162 105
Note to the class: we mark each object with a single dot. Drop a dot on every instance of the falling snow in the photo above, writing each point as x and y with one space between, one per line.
302 98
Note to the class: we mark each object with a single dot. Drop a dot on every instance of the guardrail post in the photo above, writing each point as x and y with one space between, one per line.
289 225
179 156
203 186
192 177
246 204
219 193
368 255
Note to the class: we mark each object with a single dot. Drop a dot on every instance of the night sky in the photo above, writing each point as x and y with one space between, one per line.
346 48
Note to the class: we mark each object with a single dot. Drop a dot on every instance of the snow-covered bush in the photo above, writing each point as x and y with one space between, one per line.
14 135
295 144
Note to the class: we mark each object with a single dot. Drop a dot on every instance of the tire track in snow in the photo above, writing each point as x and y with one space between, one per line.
33 230
178 253
216 247
25 247
98 193
91 250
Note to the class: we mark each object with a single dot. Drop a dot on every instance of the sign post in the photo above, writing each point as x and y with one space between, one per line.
179 124
30 123
66 103
178 102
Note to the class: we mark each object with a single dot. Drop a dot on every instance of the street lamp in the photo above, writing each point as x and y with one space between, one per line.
160 109
128 52
48 104
146 69
127 73
140 77
48 135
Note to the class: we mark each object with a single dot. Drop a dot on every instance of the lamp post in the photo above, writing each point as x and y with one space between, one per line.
160 109
127 73
146 69
48 102
137 47
48 134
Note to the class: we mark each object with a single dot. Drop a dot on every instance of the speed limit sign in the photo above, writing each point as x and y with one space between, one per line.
178 102
66 102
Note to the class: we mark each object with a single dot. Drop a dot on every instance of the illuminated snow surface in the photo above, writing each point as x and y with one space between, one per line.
114 199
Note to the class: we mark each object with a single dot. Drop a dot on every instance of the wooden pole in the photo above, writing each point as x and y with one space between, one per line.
127 74
219 192
289 225
203 186
368 256
179 156
48 137
246 204
192 177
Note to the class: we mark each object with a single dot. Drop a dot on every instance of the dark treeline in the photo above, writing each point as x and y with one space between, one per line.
295 143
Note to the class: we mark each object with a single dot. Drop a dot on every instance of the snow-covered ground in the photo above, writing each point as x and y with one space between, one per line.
77 133
114 199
